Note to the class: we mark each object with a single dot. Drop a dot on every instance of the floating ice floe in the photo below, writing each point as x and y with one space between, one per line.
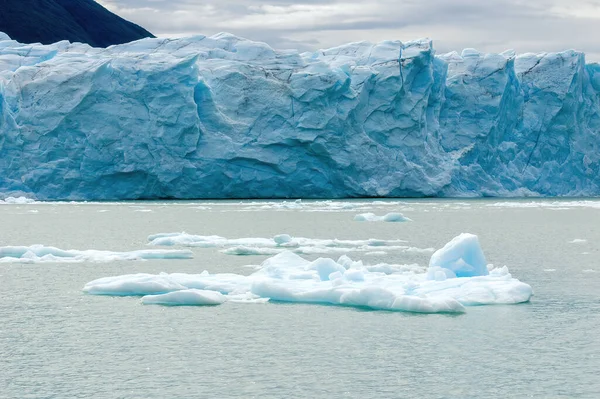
457 276
43 254
390 217
281 243
578 241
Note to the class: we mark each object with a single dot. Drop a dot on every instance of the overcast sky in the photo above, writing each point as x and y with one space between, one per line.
487 25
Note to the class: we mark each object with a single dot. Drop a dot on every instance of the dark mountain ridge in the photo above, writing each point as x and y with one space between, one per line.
50 21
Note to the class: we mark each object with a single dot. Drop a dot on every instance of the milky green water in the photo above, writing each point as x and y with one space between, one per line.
56 342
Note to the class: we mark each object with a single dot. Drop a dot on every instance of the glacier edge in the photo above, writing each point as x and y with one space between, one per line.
225 117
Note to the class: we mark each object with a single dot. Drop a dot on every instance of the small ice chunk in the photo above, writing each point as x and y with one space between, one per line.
578 241
395 217
463 256
191 297
366 217
390 217
282 239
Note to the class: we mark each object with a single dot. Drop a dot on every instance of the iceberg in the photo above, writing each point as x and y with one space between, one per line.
226 117
43 254
456 277
461 257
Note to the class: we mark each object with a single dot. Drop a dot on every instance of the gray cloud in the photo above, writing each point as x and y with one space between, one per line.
492 25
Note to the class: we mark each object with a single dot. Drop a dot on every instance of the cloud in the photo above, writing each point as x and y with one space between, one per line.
492 25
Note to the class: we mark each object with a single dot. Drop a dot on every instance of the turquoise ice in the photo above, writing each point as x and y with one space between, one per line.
225 117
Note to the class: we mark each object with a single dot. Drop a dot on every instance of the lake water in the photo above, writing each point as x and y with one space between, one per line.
56 342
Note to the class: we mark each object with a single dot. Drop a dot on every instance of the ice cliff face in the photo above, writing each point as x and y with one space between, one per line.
224 117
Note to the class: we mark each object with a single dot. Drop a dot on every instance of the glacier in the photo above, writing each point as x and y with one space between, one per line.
457 276
226 117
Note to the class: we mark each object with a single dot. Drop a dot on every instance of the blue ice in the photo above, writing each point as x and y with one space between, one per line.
225 117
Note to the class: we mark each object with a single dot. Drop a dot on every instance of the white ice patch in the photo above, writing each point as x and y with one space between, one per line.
17 200
578 241
288 277
390 217
281 243
43 254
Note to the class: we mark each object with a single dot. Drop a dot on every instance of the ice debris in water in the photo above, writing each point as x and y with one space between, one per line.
457 277
43 254
279 243
578 241
390 217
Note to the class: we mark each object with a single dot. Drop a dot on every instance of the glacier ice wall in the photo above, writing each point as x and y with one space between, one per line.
225 117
